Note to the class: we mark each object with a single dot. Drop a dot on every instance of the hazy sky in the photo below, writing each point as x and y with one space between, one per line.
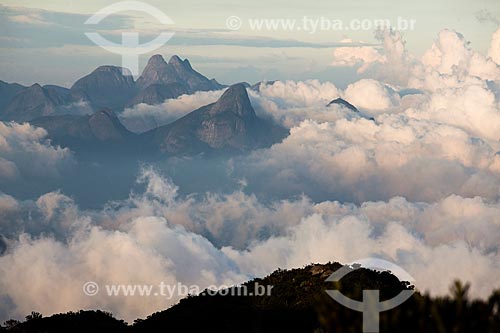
44 41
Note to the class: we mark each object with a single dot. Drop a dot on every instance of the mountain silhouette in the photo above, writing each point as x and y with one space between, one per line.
297 302
106 87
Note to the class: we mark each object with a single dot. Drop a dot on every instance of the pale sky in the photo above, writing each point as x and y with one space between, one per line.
44 41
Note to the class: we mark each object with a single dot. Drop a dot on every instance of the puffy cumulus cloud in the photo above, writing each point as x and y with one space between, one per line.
353 56
352 237
419 185
292 93
52 213
25 152
494 51
48 275
8 170
390 61
436 242
450 62
143 117
451 55
234 219
358 160
290 102
473 108
372 95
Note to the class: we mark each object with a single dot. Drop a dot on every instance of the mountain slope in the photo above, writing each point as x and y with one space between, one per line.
229 125
32 102
106 87
7 92
101 130
158 93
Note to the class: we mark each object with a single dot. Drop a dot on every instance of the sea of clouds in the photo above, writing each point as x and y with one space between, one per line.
414 177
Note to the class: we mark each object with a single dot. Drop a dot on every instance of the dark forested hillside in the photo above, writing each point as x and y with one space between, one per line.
298 303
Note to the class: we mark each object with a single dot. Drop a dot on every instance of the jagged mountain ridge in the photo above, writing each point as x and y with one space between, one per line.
158 71
106 87
34 101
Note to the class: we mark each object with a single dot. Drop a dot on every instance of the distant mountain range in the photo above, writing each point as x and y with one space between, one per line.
84 117
229 125
107 87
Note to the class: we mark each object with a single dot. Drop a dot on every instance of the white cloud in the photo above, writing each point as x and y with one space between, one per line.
372 95
389 62
358 160
290 102
143 117
451 55
351 56
146 244
494 52
418 185
26 152
471 107
48 275
449 62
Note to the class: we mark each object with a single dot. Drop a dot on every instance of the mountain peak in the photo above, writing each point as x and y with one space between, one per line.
113 69
105 126
157 60
175 59
234 99
177 62
35 86
106 87
177 71
344 103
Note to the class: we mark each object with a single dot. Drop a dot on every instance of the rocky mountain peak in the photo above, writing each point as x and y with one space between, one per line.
157 60
106 126
179 71
235 99
180 64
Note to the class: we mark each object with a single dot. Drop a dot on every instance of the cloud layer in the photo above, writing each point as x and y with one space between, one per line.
413 177
158 236
25 153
